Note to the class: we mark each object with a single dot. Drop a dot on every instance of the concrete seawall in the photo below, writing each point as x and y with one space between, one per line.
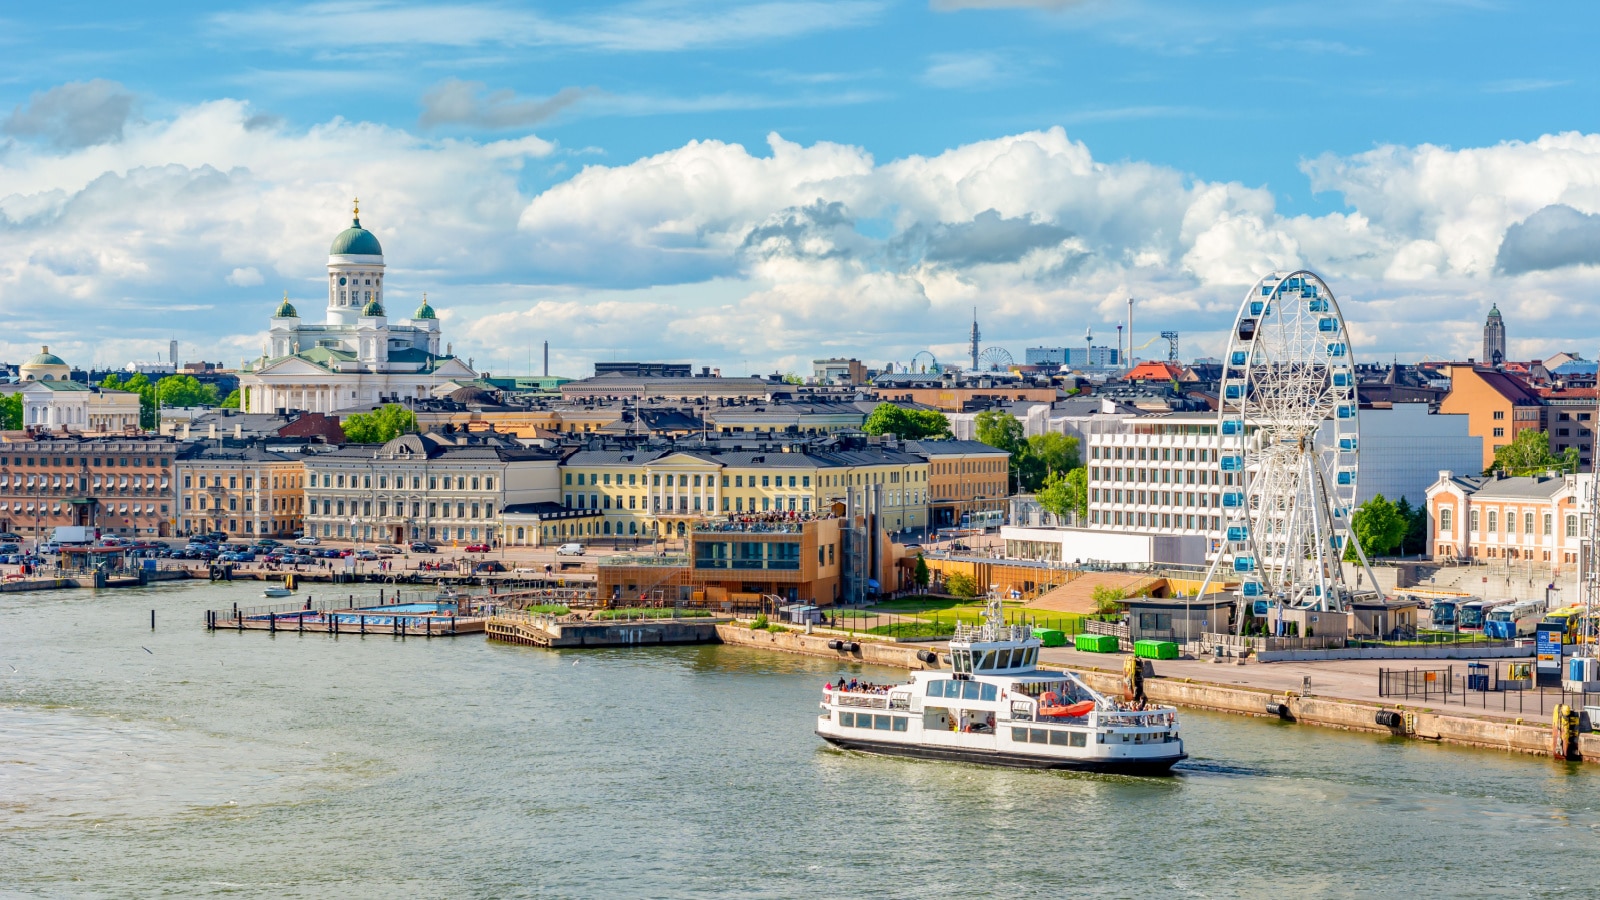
1533 738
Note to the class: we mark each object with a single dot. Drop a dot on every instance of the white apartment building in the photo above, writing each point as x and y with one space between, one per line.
1157 474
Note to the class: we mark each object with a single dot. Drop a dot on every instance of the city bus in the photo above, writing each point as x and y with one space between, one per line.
1514 620
1441 605
1568 621
1470 616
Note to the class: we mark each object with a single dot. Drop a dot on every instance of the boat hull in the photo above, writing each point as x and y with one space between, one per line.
1151 766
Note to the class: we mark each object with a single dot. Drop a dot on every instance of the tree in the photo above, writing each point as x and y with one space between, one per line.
1078 492
1056 452
1416 537
960 584
921 575
11 412
1378 526
792 378
1001 430
1529 454
1108 600
184 390
380 426
232 400
138 384
911 424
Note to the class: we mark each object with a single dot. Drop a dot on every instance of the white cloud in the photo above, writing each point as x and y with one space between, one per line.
249 276
752 259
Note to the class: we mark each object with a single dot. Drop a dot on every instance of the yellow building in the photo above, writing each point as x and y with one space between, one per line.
246 491
656 492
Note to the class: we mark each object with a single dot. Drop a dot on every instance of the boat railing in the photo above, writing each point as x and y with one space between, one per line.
1160 718
864 701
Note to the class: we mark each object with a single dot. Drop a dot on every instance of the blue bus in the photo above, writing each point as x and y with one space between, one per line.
1471 616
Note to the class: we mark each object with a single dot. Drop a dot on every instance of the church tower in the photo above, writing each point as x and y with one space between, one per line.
355 272
1494 338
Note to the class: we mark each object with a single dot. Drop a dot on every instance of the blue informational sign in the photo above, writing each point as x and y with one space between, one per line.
1547 650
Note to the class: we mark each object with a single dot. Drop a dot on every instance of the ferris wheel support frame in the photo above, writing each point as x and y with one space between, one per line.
1278 474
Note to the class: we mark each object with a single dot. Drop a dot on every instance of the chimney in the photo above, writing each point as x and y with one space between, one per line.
211 431
238 431
186 431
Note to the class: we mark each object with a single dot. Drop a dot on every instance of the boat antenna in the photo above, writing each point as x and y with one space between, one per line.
1590 586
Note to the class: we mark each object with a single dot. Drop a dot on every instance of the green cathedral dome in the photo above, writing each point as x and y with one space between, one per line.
355 240
424 311
373 308
285 309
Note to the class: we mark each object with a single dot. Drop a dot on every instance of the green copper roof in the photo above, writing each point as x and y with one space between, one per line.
356 241
373 308
424 311
285 310
46 358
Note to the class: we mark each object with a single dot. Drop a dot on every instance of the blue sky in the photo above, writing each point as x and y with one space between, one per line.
176 167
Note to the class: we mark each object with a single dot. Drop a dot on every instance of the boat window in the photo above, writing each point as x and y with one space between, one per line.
980 660
900 723
970 690
1004 660
1037 735
847 719
880 723
961 660
1079 739
1059 738
1020 735
989 692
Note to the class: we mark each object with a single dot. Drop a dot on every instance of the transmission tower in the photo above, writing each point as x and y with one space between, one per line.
975 336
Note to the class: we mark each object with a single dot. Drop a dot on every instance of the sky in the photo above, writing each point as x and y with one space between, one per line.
752 185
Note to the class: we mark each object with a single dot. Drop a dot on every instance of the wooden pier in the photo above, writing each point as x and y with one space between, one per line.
343 617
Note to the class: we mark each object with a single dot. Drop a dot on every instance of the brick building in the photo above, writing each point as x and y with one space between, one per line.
121 485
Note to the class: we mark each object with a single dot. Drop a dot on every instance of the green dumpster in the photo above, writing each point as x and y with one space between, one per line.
1155 649
1096 643
1050 637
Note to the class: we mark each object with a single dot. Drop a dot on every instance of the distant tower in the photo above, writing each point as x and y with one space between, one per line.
1088 347
172 355
1494 338
1130 331
974 348
1120 355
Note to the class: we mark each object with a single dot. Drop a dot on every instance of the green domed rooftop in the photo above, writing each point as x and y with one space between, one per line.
424 311
285 309
373 308
46 358
355 240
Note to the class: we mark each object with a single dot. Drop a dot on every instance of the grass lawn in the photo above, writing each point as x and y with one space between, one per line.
550 609
918 629
651 613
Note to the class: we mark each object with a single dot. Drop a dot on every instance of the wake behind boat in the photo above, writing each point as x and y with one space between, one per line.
997 707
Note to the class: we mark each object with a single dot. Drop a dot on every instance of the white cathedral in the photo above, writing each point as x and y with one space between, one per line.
356 358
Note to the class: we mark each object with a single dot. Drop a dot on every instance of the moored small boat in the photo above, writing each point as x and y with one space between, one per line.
277 592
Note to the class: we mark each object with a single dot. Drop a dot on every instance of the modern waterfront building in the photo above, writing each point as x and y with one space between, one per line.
446 487
964 477
1404 447
739 562
121 485
357 357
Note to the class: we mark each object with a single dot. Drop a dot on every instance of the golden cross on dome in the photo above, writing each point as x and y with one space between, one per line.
357 214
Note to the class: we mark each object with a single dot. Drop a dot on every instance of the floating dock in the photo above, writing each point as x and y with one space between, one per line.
424 619
532 630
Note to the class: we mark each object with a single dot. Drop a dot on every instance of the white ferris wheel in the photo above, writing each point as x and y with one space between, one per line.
1288 449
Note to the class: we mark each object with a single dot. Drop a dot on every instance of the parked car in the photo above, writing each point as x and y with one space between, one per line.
268 542
570 550
489 565
366 554
8 536
477 548
307 541
422 547
388 550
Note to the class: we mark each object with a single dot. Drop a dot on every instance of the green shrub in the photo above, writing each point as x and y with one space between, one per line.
760 624
960 584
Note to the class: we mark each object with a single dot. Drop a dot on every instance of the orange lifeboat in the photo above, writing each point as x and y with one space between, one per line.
1082 708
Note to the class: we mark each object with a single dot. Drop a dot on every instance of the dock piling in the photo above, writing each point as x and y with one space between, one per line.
152 620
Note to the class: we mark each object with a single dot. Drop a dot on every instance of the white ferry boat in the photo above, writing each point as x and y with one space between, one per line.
996 706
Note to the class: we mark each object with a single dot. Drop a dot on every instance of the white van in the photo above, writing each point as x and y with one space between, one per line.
570 550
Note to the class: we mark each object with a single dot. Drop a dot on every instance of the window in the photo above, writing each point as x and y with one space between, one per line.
1572 526
1499 432
1445 516
1499 415
1494 525
1547 524
1472 520
1527 523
